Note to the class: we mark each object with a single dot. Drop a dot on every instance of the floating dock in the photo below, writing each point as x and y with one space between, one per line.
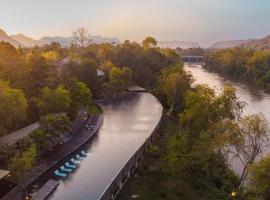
46 190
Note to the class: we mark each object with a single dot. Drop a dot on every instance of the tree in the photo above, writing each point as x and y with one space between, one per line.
13 106
259 180
120 79
85 71
202 109
200 165
56 124
174 82
107 66
245 140
149 42
81 37
41 74
42 139
53 100
51 56
22 163
81 96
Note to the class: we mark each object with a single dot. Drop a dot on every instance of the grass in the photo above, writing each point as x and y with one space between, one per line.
151 181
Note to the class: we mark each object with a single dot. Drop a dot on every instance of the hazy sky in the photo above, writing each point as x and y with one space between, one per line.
202 21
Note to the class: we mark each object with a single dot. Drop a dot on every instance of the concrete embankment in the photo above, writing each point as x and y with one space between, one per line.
56 156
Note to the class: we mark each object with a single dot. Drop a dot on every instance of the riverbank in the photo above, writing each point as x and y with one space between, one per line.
55 156
151 179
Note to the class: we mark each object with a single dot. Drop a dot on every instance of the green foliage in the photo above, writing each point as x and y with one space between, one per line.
53 100
149 42
22 163
107 66
174 82
56 124
259 180
201 166
13 106
81 97
94 110
119 80
203 108
243 139
242 63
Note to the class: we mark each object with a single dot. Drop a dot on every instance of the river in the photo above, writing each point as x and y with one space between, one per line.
258 102
127 124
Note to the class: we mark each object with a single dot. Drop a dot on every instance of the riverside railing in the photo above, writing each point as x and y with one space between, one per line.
124 174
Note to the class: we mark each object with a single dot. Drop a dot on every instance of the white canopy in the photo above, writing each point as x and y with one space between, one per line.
3 173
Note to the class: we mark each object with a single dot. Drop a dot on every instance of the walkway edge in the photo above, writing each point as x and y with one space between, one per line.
125 172
15 193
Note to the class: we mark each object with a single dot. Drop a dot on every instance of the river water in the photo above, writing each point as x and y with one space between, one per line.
258 102
127 124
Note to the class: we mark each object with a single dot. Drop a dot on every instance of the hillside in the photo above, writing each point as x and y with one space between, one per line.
25 40
229 44
66 41
178 44
5 38
259 44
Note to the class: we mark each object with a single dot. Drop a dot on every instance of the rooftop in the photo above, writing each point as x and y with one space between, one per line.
3 173
13 137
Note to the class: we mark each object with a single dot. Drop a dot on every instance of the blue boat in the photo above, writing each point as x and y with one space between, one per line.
57 173
65 169
75 161
83 153
79 157
67 164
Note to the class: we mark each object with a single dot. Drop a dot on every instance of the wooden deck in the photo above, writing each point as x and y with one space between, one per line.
46 190
136 88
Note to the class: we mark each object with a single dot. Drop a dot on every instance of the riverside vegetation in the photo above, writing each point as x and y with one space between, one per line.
200 130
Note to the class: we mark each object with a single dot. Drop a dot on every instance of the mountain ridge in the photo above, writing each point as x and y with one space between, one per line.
26 41
5 38
229 43
259 44
178 44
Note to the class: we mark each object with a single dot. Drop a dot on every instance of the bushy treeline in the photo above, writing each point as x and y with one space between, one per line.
246 64
213 132
38 81
51 84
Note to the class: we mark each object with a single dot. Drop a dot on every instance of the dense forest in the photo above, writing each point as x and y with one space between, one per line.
245 64
51 84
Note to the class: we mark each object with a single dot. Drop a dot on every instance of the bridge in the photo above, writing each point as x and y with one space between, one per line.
191 59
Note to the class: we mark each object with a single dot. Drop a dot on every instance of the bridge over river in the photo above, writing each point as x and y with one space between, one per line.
192 59
127 125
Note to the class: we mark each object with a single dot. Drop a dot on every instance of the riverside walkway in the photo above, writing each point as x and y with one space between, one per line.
129 125
58 154
12 138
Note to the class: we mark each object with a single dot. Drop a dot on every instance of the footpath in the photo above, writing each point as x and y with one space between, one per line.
58 154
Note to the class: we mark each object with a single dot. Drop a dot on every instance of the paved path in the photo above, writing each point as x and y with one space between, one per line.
12 138
55 156
46 190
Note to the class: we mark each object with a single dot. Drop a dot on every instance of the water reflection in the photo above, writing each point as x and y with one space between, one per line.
126 126
257 100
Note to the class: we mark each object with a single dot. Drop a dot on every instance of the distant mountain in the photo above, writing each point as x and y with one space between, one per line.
100 40
64 41
178 44
25 40
5 38
229 44
259 44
